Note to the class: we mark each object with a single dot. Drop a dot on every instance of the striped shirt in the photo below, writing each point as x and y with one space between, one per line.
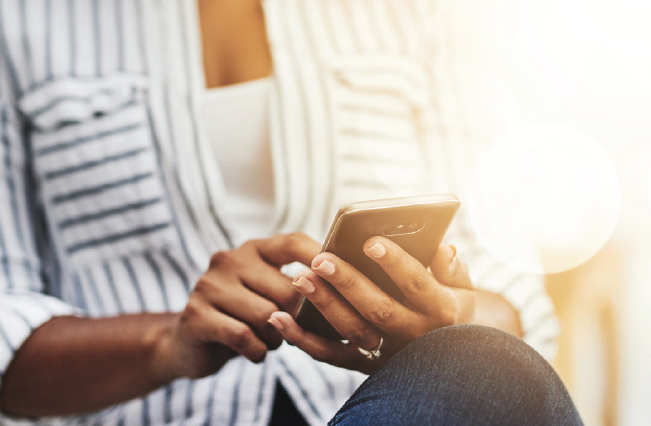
110 201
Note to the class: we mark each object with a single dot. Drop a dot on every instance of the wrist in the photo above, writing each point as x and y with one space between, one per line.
159 343
493 310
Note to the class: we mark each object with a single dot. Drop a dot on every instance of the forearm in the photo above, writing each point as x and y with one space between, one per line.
493 310
72 365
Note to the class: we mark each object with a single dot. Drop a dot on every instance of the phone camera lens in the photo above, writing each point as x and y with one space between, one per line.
413 225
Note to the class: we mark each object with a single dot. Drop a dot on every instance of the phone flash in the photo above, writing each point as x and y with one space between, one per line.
403 228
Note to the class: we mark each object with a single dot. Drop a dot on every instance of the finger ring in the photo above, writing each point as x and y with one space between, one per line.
375 353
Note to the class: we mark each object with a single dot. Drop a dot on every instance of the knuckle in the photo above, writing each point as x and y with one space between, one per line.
250 245
382 313
253 243
418 282
203 285
239 336
220 258
211 287
345 280
298 236
325 302
192 310
294 239
362 336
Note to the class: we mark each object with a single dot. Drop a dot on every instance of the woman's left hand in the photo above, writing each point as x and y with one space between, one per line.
364 314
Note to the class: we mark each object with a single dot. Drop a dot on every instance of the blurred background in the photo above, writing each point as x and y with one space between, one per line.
586 64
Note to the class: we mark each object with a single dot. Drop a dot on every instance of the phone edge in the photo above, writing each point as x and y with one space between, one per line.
374 205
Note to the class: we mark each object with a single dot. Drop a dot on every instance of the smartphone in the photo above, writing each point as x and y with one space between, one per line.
417 224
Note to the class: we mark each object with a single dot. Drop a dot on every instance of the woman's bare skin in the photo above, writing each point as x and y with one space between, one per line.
73 365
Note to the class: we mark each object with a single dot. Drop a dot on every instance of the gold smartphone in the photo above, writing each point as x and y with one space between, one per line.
417 224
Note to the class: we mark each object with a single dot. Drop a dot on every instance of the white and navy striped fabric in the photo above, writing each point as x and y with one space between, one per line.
110 201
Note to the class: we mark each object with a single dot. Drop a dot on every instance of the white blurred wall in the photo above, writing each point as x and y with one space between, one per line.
587 63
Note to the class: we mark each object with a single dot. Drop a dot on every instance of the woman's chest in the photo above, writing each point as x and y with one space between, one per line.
347 106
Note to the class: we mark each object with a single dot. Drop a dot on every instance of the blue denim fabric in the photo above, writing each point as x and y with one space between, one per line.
458 376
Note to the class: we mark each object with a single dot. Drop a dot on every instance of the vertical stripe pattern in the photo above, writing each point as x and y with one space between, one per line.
98 108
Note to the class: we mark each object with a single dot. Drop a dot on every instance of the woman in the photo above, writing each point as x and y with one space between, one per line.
116 195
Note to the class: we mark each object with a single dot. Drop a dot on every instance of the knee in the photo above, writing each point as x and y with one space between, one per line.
476 351
488 376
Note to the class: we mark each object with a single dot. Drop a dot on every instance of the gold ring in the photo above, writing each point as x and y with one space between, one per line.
373 354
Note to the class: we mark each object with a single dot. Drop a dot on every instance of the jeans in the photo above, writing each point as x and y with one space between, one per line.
458 376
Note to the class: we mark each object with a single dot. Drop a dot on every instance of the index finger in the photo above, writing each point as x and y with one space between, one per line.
284 249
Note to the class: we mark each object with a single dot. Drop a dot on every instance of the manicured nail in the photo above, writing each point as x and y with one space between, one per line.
281 320
325 267
377 250
277 324
454 254
304 286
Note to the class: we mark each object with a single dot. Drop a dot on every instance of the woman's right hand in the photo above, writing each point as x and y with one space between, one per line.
228 309
71 365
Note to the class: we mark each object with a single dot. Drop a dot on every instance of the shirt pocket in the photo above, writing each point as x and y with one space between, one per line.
97 168
378 103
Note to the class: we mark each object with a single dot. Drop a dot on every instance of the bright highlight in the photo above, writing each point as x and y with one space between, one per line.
545 198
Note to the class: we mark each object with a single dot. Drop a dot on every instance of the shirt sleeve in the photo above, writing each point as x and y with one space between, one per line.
469 106
24 305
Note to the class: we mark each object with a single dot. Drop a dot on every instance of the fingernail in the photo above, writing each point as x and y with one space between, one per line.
304 286
281 320
377 250
325 267
454 254
277 324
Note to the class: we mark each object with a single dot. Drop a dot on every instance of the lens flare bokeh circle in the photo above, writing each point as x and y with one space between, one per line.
544 198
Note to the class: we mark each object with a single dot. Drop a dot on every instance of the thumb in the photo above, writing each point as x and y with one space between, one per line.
448 269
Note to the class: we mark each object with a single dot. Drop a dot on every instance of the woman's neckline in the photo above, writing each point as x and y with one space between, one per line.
244 86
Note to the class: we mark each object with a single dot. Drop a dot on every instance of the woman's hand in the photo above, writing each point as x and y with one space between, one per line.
228 309
72 365
363 314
